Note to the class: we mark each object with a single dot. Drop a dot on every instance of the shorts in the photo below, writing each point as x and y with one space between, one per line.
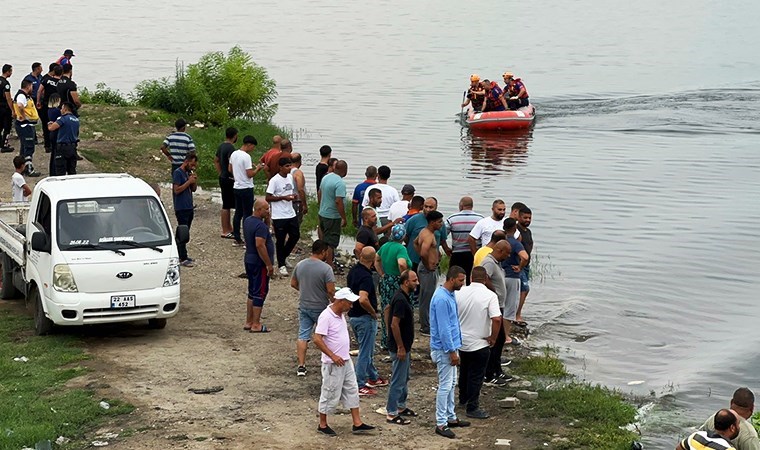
228 195
330 231
307 320
512 299
525 279
338 386
258 283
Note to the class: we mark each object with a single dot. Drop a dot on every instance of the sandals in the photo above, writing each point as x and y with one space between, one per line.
408 413
263 329
398 420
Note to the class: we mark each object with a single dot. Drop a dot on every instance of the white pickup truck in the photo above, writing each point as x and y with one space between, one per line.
90 249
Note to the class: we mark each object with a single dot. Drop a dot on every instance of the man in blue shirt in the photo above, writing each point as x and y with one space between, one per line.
445 341
35 77
513 266
184 183
67 138
259 254
371 178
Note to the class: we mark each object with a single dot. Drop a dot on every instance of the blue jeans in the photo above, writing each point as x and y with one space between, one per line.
365 329
307 319
447 380
399 387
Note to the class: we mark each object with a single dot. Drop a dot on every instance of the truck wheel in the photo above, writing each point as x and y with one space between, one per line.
157 324
42 325
8 290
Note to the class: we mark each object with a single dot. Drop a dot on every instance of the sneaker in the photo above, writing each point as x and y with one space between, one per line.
301 372
445 432
327 431
190 259
283 271
238 243
505 361
365 391
7 150
362 429
33 173
495 382
459 423
377 383
187 263
478 414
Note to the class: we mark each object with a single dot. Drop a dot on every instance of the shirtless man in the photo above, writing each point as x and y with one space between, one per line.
427 247
301 204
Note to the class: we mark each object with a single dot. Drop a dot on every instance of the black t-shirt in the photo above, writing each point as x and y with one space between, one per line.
65 87
321 172
50 86
360 279
526 237
401 307
366 236
223 153
5 86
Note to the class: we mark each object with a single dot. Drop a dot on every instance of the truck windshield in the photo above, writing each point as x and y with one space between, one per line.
112 222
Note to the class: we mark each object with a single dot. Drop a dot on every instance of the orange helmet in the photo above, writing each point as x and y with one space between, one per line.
508 75
474 77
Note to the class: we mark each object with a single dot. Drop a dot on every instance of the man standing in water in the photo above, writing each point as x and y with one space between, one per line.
427 247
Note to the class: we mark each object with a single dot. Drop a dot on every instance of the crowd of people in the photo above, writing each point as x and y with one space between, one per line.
487 95
52 101
400 244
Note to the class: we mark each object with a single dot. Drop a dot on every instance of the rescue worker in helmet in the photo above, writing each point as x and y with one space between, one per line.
476 95
515 95
494 94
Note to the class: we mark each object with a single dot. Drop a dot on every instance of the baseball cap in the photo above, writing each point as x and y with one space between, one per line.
407 189
69 52
398 232
346 294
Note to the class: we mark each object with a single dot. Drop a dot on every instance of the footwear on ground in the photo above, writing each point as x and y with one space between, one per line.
495 382
365 391
477 414
327 431
445 432
301 372
361 429
377 383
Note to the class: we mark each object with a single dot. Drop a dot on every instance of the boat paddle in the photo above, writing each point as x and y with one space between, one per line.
461 113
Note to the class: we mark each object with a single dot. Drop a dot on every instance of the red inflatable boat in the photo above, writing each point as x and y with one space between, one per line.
502 120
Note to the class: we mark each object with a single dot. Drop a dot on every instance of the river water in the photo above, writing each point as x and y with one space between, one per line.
643 169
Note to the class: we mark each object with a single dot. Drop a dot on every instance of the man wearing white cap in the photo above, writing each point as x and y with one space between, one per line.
338 376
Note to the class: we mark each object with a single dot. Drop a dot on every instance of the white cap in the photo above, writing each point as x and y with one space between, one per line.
346 294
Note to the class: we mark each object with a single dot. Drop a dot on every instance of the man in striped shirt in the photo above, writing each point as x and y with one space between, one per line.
726 429
177 145
460 224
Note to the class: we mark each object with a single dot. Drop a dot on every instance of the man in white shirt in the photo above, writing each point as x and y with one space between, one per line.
401 207
242 171
485 227
281 192
480 321
19 188
390 194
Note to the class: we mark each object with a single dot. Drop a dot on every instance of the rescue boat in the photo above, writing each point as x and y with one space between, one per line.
502 120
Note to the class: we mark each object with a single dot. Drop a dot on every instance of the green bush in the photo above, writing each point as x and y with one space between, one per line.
103 95
214 90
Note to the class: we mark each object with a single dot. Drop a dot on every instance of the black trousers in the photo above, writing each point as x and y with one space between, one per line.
287 232
243 209
43 113
66 159
493 369
463 260
184 217
472 367
6 122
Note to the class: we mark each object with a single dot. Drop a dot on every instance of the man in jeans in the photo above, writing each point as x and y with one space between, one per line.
480 322
401 323
445 341
243 172
314 280
281 192
363 318
184 183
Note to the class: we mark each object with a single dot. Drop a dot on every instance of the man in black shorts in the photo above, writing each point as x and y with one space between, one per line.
222 163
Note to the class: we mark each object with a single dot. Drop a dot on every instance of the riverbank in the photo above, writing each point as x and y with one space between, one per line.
262 401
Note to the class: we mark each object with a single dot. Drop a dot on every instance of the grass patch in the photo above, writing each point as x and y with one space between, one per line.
755 419
546 365
33 404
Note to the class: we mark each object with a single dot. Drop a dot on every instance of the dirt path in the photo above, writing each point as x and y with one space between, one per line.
263 402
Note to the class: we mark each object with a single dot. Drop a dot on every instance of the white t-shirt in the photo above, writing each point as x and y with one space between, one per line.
240 162
21 100
17 187
279 187
390 196
398 209
485 228
476 306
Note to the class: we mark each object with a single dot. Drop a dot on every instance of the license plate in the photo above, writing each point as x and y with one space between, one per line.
122 301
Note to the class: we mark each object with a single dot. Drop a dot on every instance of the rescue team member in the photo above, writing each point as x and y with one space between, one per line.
515 95
26 119
475 95
493 96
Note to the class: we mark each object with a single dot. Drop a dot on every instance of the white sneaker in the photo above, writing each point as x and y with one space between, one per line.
283 271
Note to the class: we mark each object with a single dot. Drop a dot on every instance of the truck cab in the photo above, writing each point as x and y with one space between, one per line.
97 248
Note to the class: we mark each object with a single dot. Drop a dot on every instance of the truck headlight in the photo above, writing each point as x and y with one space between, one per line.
172 273
63 279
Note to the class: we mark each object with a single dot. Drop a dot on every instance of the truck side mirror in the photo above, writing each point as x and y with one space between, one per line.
182 234
40 242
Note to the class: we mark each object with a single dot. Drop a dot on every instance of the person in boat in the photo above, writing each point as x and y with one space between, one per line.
475 95
515 95
494 94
